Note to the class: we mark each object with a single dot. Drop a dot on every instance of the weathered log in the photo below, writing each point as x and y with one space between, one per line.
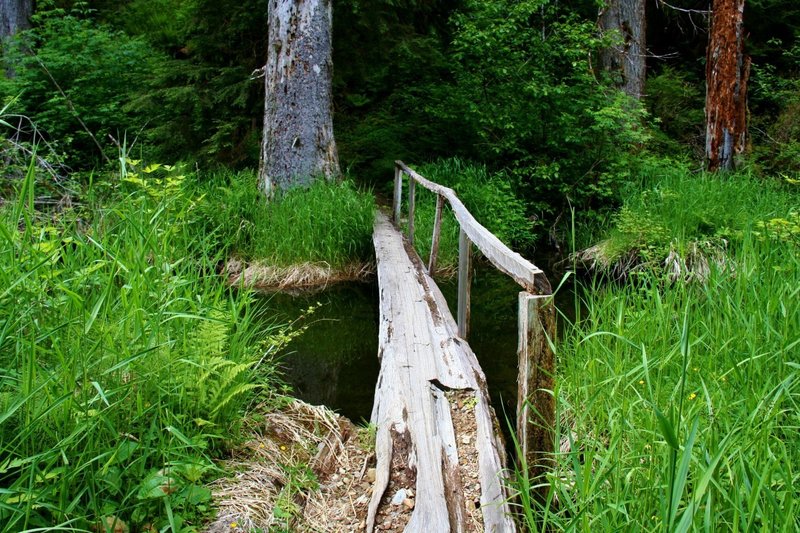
431 408
535 399
530 277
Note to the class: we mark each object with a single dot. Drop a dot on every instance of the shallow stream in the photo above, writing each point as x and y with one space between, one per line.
335 361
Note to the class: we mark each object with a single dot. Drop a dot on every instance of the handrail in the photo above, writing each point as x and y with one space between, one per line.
536 317
525 273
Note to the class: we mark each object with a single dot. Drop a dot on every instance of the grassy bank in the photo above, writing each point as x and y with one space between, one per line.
126 362
678 395
326 223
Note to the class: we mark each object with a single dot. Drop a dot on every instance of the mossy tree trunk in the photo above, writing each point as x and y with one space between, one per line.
625 60
727 72
298 144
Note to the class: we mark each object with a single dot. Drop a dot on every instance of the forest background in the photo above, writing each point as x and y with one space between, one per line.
120 340
413 80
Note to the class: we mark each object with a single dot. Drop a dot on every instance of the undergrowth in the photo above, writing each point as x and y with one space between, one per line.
679 403
125 361
328 222
682 221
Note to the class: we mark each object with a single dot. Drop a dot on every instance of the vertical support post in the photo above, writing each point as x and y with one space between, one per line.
464 282
398 194
412 192
437 230
535 396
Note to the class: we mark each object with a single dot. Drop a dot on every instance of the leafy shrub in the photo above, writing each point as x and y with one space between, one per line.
525 84
76 83
676 104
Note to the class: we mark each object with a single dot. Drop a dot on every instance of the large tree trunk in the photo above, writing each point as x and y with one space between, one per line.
727 71
14 16
298 143
626 59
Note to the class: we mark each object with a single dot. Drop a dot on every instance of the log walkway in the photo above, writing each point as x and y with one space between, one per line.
438 449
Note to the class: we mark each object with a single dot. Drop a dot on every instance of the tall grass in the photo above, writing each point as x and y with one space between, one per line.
679 402
327 222
124 361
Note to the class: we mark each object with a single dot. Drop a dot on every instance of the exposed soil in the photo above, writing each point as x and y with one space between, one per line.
305 468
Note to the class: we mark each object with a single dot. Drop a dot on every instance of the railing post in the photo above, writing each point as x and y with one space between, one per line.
535 396
437 230
464 282
412 190
398 193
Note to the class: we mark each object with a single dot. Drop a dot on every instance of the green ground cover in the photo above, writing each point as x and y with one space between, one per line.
126 361
678 397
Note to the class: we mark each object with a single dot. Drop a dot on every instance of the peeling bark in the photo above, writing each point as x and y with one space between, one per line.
626 59
298 144
727 72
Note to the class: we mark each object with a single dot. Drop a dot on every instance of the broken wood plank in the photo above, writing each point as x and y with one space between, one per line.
423 365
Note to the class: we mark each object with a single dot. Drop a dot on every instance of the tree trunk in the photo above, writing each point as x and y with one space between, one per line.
626 59
14 16
727 71
298 143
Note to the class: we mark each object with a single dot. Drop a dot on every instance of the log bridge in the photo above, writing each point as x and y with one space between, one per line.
440 458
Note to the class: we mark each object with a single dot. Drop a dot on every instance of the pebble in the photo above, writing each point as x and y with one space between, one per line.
399 497
470 505
408 503
410 493
342 471
371 475
465 440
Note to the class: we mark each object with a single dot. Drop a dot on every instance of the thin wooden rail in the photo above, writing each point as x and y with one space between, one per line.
536 318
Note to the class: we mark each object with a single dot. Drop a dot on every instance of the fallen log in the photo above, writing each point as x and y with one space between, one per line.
439 454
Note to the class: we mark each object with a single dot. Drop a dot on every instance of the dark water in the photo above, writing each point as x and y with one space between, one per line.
335 361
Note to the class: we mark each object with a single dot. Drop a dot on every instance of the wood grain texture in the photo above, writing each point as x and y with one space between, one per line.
535 383
421 359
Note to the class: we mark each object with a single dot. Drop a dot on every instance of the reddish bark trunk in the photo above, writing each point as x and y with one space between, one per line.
727 72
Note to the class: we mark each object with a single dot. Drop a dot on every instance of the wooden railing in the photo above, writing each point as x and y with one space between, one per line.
536 318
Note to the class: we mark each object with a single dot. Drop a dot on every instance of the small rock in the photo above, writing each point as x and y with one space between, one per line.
410 493
398 497
371 475
465 439
342 471
335 477
470 506
408 503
